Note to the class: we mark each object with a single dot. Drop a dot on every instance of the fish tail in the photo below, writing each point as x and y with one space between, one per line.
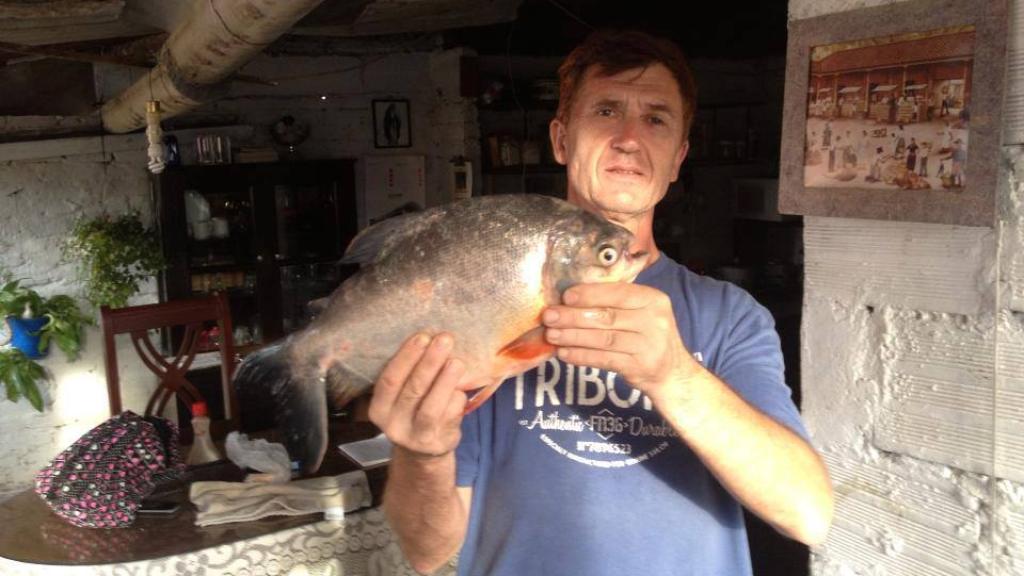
267 381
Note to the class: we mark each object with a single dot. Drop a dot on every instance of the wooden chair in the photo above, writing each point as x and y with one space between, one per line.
190 314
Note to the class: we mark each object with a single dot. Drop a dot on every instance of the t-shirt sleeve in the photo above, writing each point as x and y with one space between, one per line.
467 454
751 363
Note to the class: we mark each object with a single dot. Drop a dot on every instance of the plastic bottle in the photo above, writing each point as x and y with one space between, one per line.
202 450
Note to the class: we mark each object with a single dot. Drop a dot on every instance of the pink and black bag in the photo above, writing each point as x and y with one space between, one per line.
100 480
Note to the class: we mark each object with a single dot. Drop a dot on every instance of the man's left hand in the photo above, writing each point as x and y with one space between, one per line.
628 329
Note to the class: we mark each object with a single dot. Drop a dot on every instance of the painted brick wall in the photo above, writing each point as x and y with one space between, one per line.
913 349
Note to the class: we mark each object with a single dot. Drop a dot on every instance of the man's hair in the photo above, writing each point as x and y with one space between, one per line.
610 52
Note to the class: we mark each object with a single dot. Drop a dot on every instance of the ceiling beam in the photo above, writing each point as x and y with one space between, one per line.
80 32
77 56
162 14
26 14
404 16
140 53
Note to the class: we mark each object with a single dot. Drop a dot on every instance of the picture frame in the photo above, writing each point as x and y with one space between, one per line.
884 78
392 126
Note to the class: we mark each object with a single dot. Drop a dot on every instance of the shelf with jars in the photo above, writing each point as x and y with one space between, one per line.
517 101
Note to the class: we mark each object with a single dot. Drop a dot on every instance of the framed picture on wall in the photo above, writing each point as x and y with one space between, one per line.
894 112
391 127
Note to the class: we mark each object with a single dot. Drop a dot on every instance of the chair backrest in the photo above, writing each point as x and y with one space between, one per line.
192 315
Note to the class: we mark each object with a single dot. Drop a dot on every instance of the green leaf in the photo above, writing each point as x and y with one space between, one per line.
10 386
30 390
20 376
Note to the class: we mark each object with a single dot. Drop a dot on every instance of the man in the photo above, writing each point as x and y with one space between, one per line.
665 410
832 154
959 156
876 166
912 155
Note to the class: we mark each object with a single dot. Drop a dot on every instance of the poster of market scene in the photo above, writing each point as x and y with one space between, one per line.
890 113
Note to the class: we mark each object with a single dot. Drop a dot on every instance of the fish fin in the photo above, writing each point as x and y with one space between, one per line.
373 242
316 307
529 350
480 397
516 357
303 420
297 397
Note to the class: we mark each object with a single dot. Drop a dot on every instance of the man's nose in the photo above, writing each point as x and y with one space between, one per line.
627 135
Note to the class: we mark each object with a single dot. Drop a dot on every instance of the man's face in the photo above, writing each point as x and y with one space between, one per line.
623 142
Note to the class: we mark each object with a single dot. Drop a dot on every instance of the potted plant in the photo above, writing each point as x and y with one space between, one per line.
36 321
113 254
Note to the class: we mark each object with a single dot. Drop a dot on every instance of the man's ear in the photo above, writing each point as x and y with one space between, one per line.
680 156
556 130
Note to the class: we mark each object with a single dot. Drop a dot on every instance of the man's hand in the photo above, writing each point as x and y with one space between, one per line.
415 400
417 405
629 329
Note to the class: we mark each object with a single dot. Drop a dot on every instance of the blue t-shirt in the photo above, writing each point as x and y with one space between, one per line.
574 472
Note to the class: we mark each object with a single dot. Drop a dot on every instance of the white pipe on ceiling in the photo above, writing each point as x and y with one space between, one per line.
214 40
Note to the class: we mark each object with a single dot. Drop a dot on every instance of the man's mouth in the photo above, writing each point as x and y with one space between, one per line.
624 171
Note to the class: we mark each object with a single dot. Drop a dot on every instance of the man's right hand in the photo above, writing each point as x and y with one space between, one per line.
415 401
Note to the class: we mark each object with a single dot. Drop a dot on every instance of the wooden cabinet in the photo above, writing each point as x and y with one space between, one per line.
269 235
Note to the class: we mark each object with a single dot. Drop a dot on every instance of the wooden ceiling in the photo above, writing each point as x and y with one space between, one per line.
36 35
134 29
733 30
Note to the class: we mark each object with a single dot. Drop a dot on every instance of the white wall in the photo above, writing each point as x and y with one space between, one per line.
913 376
49 184
38 203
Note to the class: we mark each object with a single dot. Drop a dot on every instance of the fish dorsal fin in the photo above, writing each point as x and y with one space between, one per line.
373 243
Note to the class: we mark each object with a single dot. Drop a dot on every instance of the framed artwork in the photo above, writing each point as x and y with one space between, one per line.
391 128
894 112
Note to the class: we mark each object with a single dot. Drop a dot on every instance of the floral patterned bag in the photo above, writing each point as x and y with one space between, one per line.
100 480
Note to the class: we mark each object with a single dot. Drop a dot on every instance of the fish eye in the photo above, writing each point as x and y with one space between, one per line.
607 255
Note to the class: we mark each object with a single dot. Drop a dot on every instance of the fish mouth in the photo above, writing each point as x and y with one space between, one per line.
633 264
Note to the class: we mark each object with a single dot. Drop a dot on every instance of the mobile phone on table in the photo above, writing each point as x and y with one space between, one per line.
165 508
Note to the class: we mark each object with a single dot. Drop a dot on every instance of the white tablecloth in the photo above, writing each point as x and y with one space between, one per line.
361 544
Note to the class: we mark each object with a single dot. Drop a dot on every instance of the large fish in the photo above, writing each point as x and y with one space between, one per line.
483 269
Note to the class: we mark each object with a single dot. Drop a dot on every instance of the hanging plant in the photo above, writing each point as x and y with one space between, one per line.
114 254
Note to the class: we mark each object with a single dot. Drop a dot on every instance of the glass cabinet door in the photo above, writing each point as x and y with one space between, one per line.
307 221
302 284
309 234
218 249
269 235
219 225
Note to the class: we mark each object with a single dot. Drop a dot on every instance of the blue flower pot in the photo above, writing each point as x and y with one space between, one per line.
25 335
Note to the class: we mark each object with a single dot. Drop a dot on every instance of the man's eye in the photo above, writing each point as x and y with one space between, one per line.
656 120
605 112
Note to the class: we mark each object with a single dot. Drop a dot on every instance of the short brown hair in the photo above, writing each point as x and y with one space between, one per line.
616 51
